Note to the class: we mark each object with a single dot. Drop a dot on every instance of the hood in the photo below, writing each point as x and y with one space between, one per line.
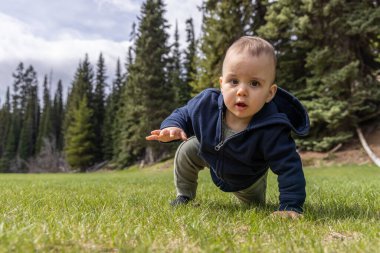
289 105
283 109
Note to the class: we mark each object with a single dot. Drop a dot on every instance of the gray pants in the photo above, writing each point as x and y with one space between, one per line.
187 165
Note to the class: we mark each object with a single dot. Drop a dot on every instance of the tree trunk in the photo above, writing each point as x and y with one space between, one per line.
367 149
148 157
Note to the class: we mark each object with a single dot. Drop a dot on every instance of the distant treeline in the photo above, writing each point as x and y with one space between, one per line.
328 56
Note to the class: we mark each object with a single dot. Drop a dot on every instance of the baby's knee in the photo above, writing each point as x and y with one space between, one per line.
187 155
256 198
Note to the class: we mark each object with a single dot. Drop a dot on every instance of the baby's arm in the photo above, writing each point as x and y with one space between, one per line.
178 126
280 152
167 134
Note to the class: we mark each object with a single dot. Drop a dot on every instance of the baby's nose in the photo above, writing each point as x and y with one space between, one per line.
242 90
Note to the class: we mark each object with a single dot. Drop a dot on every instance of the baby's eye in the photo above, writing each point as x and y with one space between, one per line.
254 83
234 81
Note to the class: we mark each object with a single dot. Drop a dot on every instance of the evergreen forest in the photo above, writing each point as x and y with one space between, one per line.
328 56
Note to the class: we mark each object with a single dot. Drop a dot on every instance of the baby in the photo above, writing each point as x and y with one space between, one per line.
240 131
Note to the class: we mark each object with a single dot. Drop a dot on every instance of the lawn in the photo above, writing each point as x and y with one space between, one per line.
124 211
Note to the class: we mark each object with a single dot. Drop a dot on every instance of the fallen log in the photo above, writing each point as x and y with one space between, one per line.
367 149
335 149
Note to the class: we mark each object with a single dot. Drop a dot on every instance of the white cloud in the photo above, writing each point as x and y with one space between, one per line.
55 37
126 5
61 56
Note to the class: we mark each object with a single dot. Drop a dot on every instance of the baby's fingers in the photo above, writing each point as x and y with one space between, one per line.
153 135
167 134
155 132
164 132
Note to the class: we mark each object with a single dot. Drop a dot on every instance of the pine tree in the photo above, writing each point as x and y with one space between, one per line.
81 90
57 117
112 107
189 62
224 21
120 100
291 43
82 86
148 96
45 129
175 71
260 13
99 108
28 136
18 82
29 82
108 128
335 39
79 137
13 136
5 122
31 114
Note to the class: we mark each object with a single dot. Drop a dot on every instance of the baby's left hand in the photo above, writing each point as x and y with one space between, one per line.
287 214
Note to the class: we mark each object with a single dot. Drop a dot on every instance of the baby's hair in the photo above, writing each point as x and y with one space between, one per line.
254 45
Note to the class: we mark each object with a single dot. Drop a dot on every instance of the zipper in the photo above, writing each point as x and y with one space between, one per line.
221 144
217 148
221 131
223 141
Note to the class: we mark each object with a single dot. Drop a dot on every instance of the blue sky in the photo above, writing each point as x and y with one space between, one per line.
53 35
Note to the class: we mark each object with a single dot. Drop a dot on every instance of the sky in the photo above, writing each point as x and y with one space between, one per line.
53 36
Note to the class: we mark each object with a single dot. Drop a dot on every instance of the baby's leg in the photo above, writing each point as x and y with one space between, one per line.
187 165
255 194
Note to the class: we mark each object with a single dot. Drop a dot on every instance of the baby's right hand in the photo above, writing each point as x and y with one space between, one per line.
167 134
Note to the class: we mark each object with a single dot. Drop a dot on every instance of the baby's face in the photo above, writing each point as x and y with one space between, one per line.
247 84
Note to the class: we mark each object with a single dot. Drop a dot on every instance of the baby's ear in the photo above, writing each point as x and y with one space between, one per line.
221 82
272 92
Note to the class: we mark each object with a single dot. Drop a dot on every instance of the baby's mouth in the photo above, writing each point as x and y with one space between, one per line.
241 105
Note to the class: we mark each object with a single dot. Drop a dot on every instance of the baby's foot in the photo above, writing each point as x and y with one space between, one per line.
180 200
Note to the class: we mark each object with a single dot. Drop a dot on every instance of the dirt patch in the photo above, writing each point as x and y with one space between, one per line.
336 236
352 155
349 153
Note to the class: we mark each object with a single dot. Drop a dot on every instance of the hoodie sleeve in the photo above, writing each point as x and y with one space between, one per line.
179 118
182 117
284 161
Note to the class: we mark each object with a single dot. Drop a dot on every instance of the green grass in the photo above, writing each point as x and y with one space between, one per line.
124 211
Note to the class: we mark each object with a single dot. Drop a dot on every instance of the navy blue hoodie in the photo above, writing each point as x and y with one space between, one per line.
240 160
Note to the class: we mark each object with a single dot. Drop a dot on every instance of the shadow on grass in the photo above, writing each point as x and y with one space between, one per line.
341 212
312 212
231 207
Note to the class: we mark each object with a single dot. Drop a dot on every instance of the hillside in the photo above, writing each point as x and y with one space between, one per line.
349 153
